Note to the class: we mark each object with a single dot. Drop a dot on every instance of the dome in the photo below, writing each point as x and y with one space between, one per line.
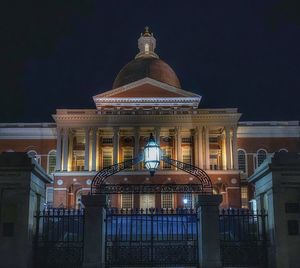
143 67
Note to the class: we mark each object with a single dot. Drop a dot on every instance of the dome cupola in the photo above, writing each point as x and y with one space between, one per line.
146 64
147 45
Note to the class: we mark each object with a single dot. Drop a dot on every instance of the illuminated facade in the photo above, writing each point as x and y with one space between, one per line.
147 98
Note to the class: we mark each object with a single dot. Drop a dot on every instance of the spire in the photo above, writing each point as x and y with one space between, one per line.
146 44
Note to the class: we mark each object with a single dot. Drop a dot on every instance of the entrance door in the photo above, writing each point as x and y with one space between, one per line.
147 201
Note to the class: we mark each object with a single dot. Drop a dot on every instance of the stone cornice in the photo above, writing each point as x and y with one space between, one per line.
147 120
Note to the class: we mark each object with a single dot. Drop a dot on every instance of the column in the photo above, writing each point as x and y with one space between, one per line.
234 148
70 153
200 146
157 135
94 230
196 147
136 141
208 231
178 144
116 145
87 150
65 148
223 152
94 148
228 157
207 155
58 149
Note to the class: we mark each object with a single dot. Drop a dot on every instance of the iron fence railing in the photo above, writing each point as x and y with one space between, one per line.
151 237
243 238
59 238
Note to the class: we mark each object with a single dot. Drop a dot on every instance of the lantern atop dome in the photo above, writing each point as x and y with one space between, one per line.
147 44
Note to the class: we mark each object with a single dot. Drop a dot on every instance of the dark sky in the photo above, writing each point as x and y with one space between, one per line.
58 54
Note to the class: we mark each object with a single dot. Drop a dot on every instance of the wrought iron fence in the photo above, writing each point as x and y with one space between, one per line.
151 237
59 238
243 238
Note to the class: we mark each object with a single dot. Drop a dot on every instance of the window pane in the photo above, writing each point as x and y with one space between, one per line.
168 153
107 158
51 162
78 160
244 196
242 160
49 196
186 155
188 200
261 156
127 154
167 200
127 200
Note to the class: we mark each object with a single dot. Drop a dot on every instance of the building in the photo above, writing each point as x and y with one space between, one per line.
147 97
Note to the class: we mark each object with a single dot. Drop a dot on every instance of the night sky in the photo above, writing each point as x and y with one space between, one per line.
58 54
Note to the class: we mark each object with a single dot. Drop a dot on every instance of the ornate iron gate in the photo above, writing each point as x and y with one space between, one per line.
151 237
59 238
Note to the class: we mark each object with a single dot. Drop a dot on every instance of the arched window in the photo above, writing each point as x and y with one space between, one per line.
261 156
283 150
242 161
33 154
78 202
51 161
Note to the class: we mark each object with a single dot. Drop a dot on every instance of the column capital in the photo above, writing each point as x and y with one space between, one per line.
116 130
94 130
199 127
65 130
177 130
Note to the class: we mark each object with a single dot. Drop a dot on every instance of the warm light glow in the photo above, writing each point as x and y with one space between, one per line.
151 155
147 48
185 201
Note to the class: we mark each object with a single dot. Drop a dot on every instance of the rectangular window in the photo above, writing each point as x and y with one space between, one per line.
213 159
51 162
187 140
49 196
78 160
127 201
107 157
187 155
188 200
127 154
167 200
107 140
244 196
168 153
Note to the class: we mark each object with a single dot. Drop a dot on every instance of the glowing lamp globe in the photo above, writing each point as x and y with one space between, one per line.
151 155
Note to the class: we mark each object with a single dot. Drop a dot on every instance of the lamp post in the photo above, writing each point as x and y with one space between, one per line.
152 155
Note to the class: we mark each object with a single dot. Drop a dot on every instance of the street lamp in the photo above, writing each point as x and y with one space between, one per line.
152 155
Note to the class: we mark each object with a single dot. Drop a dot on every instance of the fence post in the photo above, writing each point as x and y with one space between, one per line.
208 231
36 238
94 230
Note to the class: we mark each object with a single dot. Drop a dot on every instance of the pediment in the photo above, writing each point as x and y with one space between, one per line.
147 88
147 92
